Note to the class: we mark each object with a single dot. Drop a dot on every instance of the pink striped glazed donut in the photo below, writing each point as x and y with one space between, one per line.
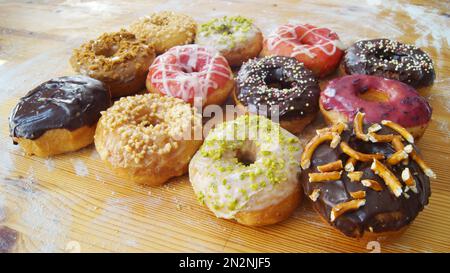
318 48
191 71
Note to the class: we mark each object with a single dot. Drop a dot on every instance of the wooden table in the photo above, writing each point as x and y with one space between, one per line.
74 203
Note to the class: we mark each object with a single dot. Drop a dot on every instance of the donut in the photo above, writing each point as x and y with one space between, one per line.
59 115
389 59
118 59
165 30
281 85
148 138
191 71
318 48
379 98
247 170
236 38
365 190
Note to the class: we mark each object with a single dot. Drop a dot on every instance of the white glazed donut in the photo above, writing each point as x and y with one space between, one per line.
247 170
236 38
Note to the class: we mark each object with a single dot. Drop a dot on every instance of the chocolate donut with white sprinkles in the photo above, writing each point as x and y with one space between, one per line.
279 81
389 59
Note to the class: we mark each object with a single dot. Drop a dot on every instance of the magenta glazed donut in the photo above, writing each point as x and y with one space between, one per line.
379 98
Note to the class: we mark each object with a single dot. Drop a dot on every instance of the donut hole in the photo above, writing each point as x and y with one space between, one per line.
280 85
161 21
372 94
149 122
246 155
187 70
275 79
152 123
381 55
106 51
246 158
224 29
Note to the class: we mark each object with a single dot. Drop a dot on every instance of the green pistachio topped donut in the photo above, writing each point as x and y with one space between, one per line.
236 38
247 170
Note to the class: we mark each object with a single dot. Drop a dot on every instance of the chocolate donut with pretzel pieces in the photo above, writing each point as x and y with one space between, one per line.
366 180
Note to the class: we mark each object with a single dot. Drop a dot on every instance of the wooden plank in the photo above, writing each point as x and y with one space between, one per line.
72 202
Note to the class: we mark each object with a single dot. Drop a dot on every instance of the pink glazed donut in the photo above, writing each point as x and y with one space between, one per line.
191 71
318 48
379 98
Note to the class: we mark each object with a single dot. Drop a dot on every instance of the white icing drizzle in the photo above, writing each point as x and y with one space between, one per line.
288 34
175 73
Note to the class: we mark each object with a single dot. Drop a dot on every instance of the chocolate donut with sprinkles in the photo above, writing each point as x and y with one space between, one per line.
278 82
389 59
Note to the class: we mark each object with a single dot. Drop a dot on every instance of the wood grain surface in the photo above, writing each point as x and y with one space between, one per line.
73 203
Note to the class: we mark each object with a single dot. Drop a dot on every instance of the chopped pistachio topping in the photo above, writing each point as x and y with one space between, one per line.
229 30
226 25
201 198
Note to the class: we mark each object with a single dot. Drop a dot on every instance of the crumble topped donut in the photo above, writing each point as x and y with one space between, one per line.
118 59
279 83
379 98
236 38
59 115
189 72
165 30
148 138
247 170
390 59
318 48
364 189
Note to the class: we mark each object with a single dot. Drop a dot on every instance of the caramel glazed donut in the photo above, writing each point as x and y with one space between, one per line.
165 30
247 170
118 59
236 38
389 59
148 138
282 82
59 115
366 190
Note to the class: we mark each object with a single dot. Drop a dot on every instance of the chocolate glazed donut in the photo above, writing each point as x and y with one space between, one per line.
65 102
390 59
279 81
64 109
359 201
